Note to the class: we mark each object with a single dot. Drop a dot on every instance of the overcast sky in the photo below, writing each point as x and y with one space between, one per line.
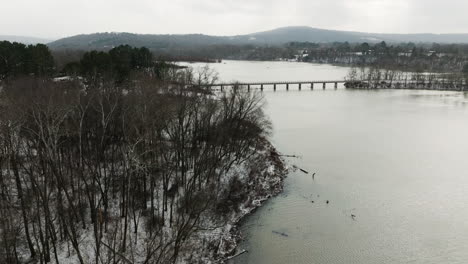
59 18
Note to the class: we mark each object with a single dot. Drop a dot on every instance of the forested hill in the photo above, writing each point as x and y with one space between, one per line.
104 41
308 34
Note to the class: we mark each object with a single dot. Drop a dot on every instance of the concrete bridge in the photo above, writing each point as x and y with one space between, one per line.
440 84
275 85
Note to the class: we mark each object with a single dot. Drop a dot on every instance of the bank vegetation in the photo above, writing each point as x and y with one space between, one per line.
124 161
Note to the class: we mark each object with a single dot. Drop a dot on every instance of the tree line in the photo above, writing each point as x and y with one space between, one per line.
371 77
402 56
118 63
17 59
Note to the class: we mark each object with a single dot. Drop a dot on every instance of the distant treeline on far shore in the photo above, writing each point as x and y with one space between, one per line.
19 59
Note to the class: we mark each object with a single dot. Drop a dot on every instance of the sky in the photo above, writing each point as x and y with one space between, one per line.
53 19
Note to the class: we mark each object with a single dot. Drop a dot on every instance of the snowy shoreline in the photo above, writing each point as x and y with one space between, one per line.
264 179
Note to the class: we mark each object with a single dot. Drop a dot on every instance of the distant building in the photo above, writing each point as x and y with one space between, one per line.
405 54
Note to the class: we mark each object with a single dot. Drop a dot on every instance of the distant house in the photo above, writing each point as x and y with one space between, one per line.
431 53
405 54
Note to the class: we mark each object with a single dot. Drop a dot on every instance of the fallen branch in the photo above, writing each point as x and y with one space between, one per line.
280 233
117 253
289 156
235 256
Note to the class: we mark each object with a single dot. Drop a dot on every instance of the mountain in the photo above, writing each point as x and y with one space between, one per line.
308 34
102 41
299 34
24 39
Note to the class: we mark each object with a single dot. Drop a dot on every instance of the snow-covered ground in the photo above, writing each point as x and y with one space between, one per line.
249 184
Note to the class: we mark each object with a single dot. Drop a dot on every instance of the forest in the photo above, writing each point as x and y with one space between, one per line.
403 56
122 162
420 57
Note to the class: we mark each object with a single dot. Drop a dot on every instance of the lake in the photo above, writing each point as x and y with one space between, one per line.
392 164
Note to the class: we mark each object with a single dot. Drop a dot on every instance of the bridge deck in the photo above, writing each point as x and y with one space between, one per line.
276 83
437 84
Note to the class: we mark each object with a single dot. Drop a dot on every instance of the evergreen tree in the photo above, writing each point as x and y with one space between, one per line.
18 59
39 60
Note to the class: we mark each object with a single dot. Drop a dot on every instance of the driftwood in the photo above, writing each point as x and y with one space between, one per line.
280 233
236 255
289 156
304 171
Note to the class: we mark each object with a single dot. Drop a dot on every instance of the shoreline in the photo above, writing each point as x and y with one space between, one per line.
264 179
276 189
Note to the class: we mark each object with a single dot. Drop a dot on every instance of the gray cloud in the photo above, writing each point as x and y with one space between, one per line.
58 18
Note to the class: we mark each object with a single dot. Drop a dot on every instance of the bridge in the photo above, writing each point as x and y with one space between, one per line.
440 84
274 85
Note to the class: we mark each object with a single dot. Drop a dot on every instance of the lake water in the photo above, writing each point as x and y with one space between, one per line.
395 159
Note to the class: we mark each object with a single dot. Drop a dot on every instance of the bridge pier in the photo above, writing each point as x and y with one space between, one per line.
287 87
274 87
248 87
261 87
324 85
311 86
300 86
221 88
336 85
